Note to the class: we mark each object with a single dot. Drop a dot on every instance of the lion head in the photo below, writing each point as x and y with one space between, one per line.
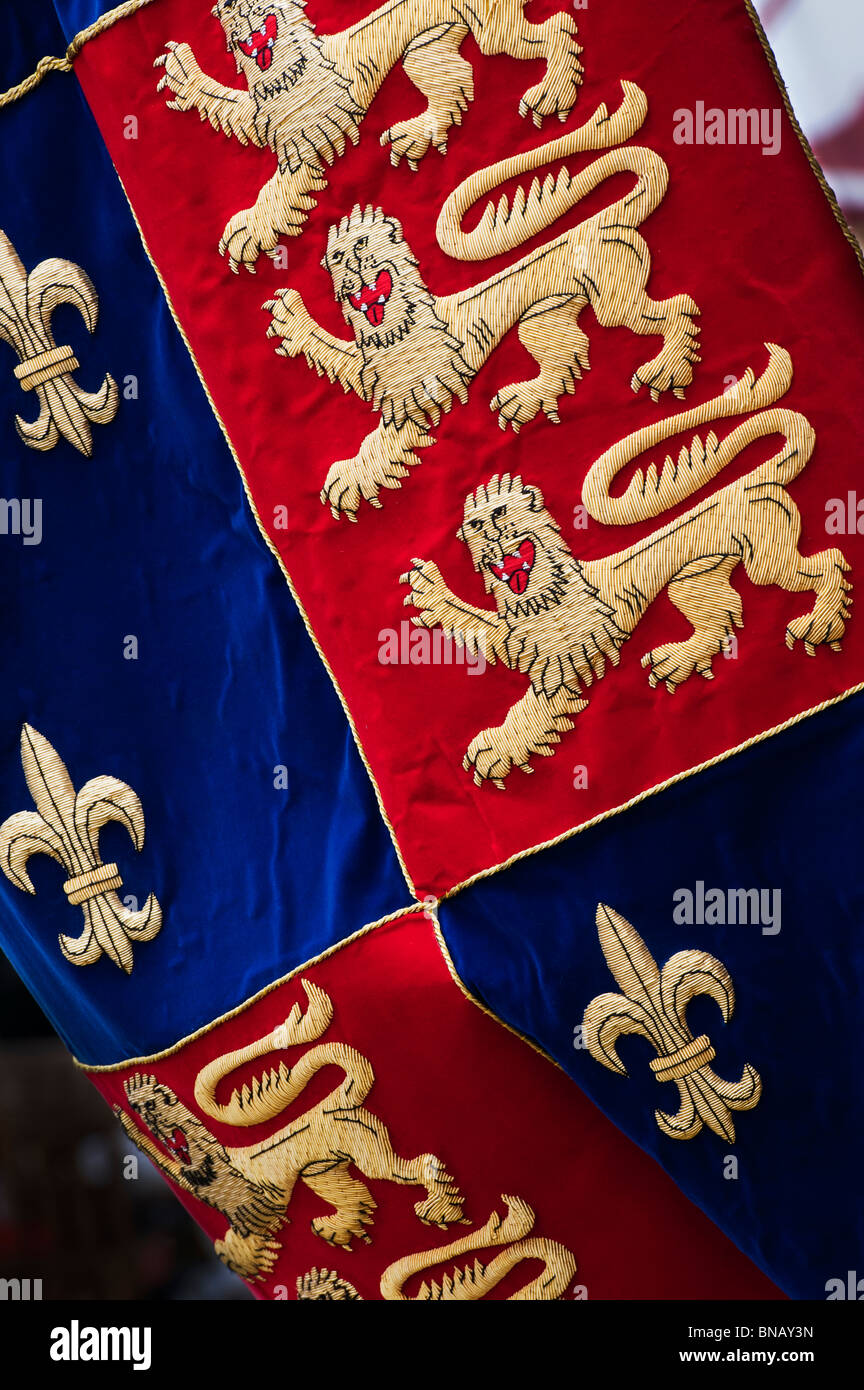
305 107
516 545
561 631
412 364
204 1164
263 34
180 1133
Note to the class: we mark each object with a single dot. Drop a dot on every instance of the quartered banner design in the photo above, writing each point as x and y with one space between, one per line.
428 433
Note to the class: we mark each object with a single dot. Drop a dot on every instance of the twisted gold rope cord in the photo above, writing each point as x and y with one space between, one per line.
64 64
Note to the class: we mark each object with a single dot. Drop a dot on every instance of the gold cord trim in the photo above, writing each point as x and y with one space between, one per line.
805 143
651 791
112 17
64 64
271 547
472 999
412 909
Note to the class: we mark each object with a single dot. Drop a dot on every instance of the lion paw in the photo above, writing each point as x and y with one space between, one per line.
182 75
495 752
377 465
675 662
290 322
826 624
349 482
441 1209
557 93
490 758
664 373
444 1202
672 368
522 401
428 591
411 139
247 236
816 630
341 1230
249 1256
532 728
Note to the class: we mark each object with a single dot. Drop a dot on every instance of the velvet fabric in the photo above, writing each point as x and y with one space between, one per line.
263 840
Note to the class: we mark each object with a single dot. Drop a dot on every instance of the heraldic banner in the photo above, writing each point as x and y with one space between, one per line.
431 732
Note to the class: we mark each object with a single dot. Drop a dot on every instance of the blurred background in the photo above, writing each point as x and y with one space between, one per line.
819 47
68 1215
72 1213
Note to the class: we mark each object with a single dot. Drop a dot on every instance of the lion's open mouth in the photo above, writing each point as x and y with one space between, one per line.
179 1146
515 569
260 44
372 298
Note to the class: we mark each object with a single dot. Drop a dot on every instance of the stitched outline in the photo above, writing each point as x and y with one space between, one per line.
805 143
412 910
652 791
271 546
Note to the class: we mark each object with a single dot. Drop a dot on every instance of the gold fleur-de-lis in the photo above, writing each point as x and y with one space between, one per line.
654 1004
67 828
26 305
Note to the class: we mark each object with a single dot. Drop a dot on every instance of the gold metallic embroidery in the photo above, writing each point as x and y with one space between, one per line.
559 619
654 1004
467 1283
307 93
26 305
325 1286
473 1282
252 1186
67 829
414 352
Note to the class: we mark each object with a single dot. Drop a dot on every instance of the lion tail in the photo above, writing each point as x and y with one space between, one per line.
267 1095
503 226
472 1282
652 491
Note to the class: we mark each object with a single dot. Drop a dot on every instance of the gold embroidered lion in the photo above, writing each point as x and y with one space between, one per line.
307 92
252 1186
469 1283
414 352
559 619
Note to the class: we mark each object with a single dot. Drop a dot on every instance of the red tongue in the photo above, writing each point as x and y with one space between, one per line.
179 1145
367 298
512 568
259 41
